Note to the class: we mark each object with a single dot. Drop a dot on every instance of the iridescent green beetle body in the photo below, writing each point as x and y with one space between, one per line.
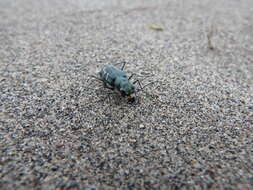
117 79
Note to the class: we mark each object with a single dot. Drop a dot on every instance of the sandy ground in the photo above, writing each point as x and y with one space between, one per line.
191 129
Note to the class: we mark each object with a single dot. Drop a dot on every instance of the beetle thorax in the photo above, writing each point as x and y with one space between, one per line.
124 86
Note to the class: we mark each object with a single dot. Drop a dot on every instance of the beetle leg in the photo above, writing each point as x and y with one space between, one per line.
96 77
106 86
137 81
146 85
124 63
131 76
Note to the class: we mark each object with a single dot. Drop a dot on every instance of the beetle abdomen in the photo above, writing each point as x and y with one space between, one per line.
109 74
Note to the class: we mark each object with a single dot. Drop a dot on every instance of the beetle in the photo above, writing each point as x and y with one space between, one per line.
115 78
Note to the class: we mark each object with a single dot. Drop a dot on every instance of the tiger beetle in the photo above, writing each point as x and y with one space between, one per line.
114 78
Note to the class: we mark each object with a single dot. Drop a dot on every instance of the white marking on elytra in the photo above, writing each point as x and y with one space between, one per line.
106 76
104 71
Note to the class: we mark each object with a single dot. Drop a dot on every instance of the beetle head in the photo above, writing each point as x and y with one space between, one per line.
127 89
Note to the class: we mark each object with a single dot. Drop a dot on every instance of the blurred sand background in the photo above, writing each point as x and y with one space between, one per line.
192 129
